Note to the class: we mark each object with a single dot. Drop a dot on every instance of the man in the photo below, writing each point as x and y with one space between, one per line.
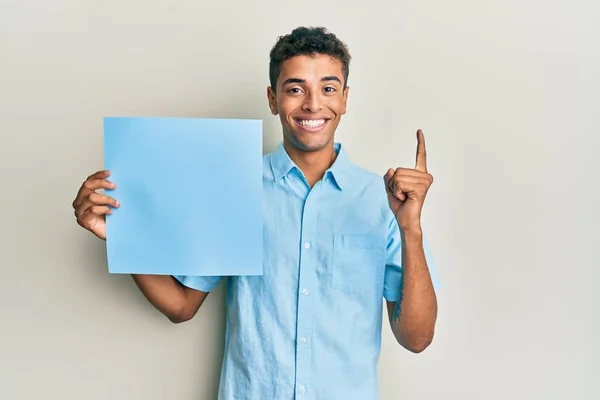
337 239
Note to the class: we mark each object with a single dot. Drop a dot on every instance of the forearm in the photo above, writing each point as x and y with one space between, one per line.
167 295
415 312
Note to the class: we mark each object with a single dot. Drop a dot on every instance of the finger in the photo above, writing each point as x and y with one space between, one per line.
412 172
91 211
407 180
102 199
409 188
95 199
394 186
99 175
398 193
391 184
421 162
100 210
84 189
91 185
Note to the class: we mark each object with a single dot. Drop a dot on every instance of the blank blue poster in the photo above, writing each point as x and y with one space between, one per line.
191 196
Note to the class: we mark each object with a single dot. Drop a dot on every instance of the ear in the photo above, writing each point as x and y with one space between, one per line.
345 101
272 98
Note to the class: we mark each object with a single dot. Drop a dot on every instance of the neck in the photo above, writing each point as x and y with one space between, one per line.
313 164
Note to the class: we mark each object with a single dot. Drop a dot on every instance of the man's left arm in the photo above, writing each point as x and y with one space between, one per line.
414 313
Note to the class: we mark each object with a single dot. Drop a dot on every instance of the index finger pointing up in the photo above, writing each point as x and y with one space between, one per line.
421 163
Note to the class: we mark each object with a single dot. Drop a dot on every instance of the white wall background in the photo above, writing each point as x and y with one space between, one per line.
507 94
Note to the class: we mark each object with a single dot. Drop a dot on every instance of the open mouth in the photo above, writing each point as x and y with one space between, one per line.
311 125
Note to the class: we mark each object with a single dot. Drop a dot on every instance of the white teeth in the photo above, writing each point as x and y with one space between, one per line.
311 123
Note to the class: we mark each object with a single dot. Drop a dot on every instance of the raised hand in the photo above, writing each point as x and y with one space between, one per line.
91 207
407 188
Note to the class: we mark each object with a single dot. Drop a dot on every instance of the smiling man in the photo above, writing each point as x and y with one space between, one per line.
339 241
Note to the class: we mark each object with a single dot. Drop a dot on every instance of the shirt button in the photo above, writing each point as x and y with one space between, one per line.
303 340
307 245
302 389
305 292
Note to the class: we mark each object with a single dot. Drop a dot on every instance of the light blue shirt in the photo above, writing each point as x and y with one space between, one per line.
310 327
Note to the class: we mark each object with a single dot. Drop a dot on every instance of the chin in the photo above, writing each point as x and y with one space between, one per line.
304 143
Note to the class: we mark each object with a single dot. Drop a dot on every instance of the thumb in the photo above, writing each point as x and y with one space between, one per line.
386 178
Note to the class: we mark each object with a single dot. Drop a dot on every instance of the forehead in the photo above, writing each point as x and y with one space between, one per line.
311 68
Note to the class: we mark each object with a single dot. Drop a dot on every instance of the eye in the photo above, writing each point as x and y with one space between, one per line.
294 90
329 89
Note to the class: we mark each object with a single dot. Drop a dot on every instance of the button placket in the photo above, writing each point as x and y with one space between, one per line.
305 302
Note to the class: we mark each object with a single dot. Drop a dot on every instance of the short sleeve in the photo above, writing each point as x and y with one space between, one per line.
393 269
202 283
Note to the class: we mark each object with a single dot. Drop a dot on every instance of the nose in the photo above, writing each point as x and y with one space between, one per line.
312 103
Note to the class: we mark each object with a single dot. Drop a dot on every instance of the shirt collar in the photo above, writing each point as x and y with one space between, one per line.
282 164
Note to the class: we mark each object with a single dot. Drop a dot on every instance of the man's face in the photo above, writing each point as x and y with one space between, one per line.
310 100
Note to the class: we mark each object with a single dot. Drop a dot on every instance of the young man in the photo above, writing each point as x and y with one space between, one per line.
337 240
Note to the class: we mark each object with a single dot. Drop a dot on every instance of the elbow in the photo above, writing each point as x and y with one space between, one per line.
180 315
416 345
176 319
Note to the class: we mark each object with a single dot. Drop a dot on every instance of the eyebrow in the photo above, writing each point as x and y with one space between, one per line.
324 79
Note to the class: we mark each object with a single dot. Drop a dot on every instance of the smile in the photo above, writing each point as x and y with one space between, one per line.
311 125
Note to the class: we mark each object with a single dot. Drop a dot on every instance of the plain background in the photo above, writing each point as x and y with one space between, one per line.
507 94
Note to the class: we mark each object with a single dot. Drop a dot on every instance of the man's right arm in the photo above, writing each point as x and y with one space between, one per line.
177 301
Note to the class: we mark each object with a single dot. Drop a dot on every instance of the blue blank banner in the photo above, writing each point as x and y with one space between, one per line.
191 196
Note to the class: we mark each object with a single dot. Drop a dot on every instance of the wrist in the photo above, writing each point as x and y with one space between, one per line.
411 233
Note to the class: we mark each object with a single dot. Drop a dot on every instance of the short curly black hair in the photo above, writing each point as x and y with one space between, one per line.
307 41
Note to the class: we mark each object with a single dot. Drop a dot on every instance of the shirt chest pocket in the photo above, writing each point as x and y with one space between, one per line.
358 263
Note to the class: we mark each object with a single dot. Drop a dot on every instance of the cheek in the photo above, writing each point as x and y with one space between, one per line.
286 107
337 105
